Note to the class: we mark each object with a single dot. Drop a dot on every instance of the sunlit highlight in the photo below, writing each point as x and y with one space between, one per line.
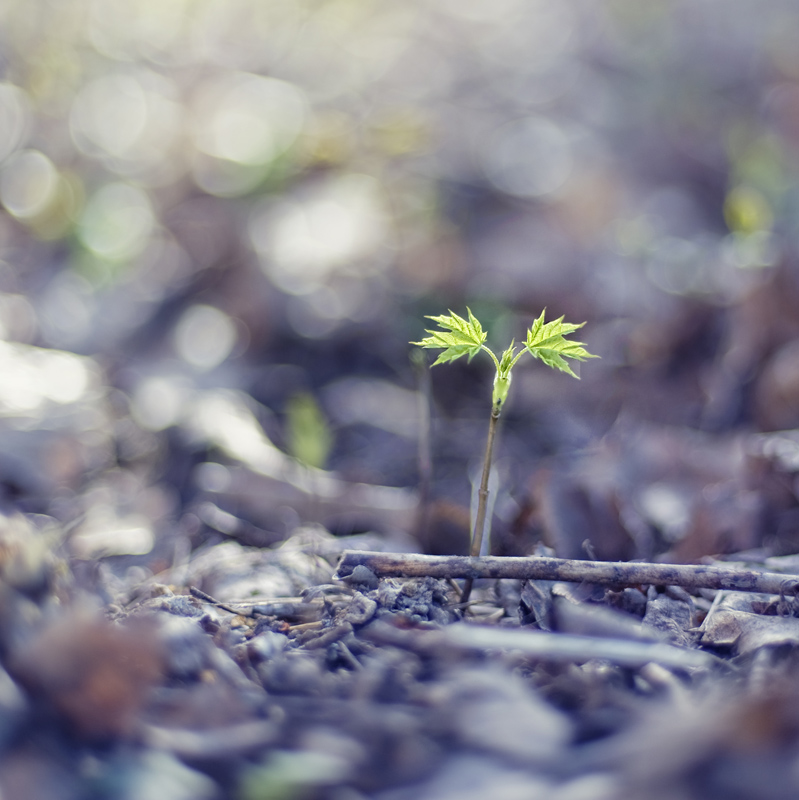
28 183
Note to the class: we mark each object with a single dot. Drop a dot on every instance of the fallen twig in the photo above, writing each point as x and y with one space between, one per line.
559 647
570 647
287 608
605 573
206 598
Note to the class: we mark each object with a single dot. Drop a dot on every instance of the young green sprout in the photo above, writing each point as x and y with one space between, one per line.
465 337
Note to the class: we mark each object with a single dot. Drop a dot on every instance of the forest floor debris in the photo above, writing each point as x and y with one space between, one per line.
381 687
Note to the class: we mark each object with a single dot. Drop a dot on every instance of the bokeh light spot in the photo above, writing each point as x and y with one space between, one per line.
117 222
159 401
33 375
301 244
67 376
249 119
223 178
131 122
121 28
14 118
205 336
746 210
110 113
28 183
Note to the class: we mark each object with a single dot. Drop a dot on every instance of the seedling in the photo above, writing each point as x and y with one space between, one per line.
465 337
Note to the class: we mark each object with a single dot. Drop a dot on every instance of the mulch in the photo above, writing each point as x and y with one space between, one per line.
312 686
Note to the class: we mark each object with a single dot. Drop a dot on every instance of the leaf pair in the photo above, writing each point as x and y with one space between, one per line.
545 341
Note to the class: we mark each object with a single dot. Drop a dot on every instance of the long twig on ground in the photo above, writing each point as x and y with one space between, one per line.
206 598
559 647
605 573
287 608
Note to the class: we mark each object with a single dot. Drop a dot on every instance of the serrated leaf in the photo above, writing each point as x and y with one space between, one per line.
546 341
457 337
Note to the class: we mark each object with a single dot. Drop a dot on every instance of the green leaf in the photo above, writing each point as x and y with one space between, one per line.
546 340
457 337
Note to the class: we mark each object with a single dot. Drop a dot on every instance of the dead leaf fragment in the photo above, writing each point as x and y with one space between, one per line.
94 673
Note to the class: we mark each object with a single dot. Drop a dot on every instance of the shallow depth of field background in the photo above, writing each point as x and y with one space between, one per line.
220 211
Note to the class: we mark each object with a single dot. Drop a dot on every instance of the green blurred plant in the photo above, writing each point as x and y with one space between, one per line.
308 435
292 775
545 341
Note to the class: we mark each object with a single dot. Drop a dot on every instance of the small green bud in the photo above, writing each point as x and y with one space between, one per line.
501 386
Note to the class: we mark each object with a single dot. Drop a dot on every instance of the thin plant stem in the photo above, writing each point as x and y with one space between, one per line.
493 356
482 497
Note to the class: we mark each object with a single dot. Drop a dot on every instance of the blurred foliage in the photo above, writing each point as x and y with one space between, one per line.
308 434
200 193
380 143
290 775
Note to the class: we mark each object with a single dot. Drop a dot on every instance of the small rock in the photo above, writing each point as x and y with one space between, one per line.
360 610
363 576
266 645
291 673
186 646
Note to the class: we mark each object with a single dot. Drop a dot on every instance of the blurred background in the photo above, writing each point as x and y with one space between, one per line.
223 221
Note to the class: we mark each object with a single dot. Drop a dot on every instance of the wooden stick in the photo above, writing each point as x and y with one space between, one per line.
605 573
542 645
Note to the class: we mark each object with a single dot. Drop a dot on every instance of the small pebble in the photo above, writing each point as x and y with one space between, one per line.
363 576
